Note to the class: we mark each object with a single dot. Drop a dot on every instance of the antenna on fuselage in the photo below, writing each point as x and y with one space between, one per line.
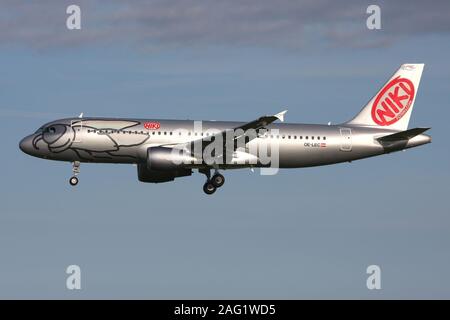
81 115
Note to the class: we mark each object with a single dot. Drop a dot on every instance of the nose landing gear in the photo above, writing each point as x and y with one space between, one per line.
212 183
75 170
73 181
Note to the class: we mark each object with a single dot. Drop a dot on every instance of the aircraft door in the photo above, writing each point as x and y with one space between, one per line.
77 126
346 139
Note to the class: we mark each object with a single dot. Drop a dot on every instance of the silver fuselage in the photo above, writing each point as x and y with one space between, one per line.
109 140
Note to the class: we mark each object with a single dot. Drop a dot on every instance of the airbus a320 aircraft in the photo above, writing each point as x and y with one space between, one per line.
166 149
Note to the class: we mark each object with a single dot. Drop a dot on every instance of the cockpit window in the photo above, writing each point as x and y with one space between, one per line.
49 129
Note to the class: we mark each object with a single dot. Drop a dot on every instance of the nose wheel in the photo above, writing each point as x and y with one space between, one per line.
73 181
75 170
212 183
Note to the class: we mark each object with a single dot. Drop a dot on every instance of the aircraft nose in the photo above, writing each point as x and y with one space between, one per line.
26 144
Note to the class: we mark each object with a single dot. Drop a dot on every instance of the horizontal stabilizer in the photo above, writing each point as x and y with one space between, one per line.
403 135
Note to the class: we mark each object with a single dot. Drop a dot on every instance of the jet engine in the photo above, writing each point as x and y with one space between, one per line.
167 159
164 164
156 176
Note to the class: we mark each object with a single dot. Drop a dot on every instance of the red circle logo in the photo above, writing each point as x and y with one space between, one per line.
152 125
392 103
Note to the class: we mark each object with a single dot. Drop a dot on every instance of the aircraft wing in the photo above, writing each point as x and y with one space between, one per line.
257 124
262 121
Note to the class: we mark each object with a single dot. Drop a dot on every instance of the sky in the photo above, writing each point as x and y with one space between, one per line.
303 233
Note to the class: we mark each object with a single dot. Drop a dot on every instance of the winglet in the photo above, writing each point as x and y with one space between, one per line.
280 115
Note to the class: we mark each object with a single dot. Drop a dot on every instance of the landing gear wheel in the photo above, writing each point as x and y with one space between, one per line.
209 188
73 181
218 180
75 171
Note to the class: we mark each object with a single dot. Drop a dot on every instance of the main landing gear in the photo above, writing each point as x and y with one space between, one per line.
212 183
75 170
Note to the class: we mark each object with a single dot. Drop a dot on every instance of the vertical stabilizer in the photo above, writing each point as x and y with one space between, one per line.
392 106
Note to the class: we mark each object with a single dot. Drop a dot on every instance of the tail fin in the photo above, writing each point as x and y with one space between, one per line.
392 106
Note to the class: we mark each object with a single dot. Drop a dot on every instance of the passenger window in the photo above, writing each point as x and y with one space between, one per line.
312 137
324 138
306 137
289 137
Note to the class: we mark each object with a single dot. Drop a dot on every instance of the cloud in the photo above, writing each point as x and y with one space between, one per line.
282 24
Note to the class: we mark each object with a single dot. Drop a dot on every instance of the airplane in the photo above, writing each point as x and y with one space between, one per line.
164 150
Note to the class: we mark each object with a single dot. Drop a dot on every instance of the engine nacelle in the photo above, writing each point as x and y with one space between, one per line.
156 176
167 159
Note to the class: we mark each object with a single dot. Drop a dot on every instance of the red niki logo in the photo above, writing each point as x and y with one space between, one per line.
152 125
392 103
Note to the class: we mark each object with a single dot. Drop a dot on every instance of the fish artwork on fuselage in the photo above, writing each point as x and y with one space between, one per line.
110 139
